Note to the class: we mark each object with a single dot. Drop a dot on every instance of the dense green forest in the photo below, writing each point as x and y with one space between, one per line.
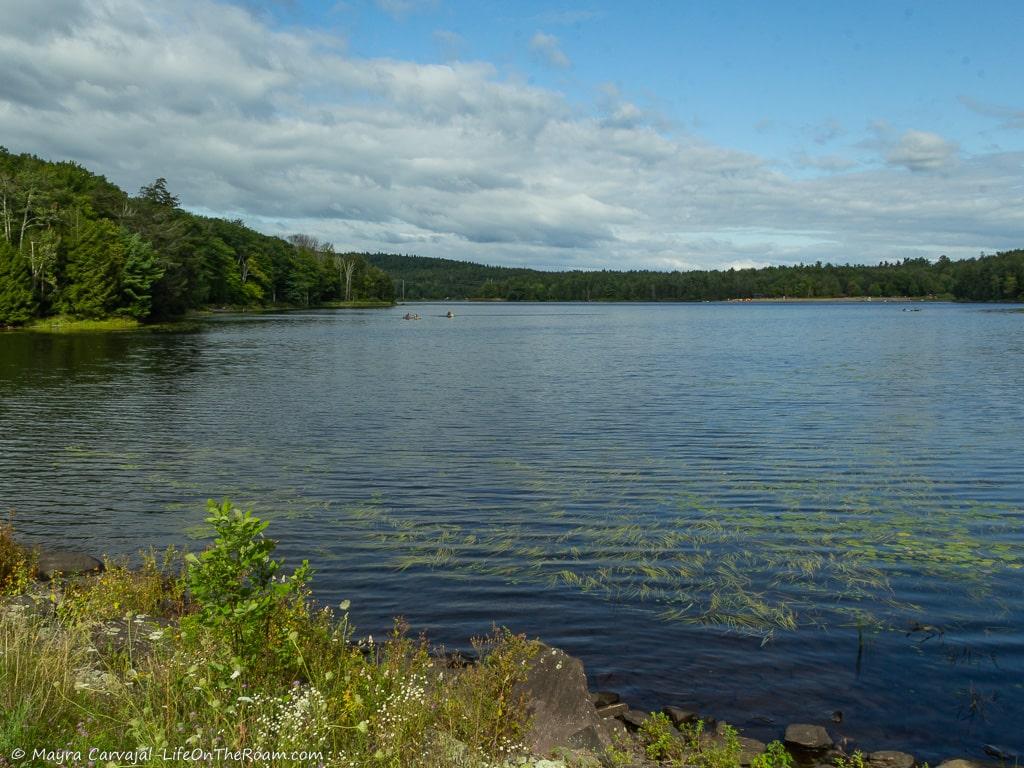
999 277
73 243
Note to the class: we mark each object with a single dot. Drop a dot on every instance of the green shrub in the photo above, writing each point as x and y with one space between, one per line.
721 750
17 563
236 587
661 739
775 756
856 760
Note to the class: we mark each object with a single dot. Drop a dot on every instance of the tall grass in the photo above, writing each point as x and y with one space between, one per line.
126 661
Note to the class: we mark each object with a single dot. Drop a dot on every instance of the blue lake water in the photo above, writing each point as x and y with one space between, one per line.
769 512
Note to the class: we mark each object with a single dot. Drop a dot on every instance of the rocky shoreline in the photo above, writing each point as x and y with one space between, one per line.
571 725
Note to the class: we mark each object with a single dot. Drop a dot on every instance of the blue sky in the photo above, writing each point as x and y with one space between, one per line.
592 135
770 78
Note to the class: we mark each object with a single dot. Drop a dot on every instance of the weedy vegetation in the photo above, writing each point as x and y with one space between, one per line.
691 745
17 563
225 651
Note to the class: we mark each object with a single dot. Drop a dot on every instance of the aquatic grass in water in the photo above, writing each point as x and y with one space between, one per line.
703 547
799 553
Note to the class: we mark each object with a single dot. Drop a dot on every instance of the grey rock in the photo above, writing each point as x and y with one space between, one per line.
804 737
680 716
613 710
615 730
30 604
634 718
890 759
65 562
590 738
558 702
604 698
749 749
960 762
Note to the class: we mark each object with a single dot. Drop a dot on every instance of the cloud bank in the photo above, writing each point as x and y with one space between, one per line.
286 130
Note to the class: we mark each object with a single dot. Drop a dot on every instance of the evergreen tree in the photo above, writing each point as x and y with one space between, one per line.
139 273
17 304
95 263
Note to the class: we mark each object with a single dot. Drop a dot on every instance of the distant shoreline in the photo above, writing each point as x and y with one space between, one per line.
758 300
63 324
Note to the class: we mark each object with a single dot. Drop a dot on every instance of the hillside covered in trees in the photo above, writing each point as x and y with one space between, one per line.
73 243
999 277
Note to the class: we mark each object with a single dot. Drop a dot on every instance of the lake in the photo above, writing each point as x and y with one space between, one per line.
768 512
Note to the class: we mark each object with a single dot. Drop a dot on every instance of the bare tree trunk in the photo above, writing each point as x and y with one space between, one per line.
25 219
350 267
33 265
6 216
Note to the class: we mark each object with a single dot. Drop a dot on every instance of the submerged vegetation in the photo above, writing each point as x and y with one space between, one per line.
808 553
72 243
703 547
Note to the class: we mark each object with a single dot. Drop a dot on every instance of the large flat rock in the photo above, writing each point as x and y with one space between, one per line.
65 562
887 758
808 738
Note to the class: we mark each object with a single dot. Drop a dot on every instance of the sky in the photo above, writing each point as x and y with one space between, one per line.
557 135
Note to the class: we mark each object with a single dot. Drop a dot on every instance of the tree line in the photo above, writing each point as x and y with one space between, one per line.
998 277
73 243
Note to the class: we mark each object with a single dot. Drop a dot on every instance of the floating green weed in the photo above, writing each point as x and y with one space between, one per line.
796 552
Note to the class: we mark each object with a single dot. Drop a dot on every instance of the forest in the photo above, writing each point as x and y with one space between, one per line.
998 277
75 244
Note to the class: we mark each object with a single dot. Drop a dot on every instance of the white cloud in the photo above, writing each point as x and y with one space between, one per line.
289 132
834 163
547 50
1011 118
922 151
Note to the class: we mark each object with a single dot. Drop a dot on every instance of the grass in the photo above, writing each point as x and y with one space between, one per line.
67 324
129 660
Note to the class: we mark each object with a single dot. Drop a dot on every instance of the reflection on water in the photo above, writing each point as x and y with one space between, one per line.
768 511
